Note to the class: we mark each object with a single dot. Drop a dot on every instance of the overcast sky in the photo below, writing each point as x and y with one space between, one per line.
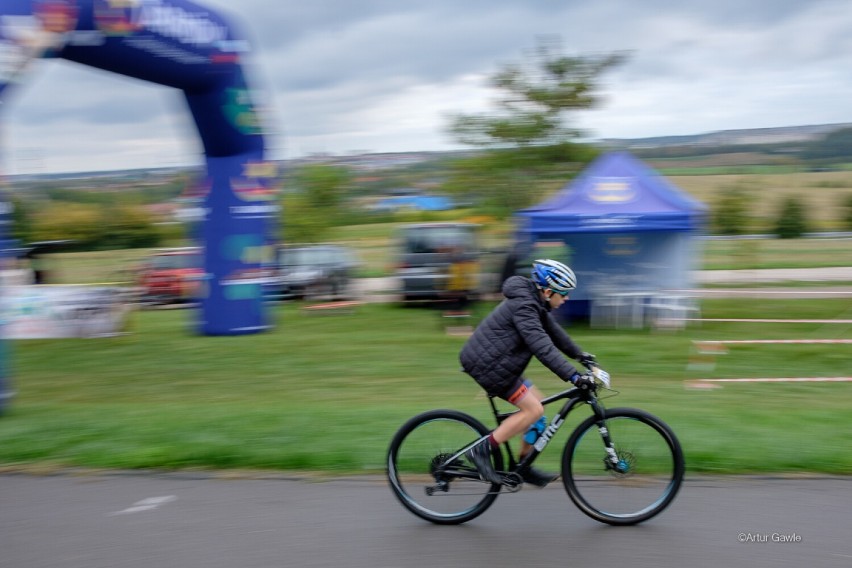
344 76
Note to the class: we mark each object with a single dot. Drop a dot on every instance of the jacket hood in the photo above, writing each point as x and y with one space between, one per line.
518 287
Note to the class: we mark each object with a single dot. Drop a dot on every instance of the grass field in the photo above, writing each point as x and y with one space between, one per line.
326 393
776 253
823 194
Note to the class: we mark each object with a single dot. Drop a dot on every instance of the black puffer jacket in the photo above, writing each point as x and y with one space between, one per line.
504 343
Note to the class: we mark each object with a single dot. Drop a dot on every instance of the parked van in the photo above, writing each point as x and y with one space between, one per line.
428 253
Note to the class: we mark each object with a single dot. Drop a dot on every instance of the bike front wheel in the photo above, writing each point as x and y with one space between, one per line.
429 473
642 480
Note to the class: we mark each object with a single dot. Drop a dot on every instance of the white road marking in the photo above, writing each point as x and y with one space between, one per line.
146 505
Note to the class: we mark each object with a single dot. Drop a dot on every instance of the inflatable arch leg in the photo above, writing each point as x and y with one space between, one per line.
186 46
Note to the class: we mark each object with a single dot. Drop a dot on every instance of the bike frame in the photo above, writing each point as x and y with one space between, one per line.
574 397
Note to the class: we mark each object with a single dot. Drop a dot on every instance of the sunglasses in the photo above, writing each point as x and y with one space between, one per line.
563 294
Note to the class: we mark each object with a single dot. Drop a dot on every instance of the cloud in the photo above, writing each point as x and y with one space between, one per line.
381 75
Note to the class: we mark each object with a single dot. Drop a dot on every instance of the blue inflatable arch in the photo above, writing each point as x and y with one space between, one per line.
186 46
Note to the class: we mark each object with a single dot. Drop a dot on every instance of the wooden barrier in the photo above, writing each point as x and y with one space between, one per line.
332 308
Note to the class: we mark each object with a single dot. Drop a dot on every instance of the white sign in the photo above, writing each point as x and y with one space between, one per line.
46 311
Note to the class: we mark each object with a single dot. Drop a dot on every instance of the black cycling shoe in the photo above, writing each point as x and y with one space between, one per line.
538 478
480 455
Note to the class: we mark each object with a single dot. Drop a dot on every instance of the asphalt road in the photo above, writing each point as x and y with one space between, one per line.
145 521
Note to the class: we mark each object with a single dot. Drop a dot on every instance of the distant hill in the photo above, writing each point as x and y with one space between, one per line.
780 135
781 141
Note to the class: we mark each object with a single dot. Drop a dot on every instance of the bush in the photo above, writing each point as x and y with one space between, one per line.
846 209
76 222
128 226
731 212
792 222
95 227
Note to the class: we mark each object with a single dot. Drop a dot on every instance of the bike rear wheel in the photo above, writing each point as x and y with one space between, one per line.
427 474
645 481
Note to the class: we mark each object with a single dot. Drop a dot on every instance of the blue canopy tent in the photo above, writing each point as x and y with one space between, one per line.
626 228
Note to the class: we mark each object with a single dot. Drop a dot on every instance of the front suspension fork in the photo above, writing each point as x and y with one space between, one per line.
612 460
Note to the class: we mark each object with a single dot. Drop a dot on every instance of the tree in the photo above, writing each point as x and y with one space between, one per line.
835 146
324 186
68 221
496 188
128 226
536 98
529 146
22 219
313 203
301 222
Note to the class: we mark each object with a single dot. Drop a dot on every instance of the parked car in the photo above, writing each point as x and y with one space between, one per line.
171 276
317 270
426 253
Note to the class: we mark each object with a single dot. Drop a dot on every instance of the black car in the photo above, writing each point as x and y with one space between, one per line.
317 270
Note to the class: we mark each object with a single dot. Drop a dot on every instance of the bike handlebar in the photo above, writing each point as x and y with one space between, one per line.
598 373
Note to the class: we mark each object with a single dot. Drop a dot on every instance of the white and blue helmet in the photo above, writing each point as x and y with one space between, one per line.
553 274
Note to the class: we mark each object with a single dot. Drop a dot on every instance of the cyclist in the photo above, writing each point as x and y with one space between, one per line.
502 346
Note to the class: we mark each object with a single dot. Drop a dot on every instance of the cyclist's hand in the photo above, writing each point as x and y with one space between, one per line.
587 359
584 382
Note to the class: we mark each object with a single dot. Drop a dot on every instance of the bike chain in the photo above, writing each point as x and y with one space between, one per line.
512 483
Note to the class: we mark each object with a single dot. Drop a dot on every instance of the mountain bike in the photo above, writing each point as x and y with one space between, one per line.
620 466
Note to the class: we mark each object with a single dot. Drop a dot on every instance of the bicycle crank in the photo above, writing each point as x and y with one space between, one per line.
512 482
